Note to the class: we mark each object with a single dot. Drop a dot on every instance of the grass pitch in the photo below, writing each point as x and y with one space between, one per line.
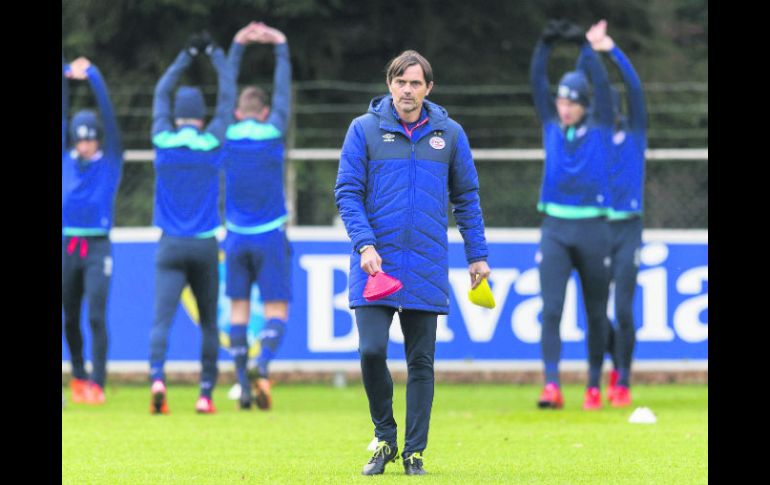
319 434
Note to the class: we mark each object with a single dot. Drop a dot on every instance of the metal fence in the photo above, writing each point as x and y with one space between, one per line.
676 188
495 117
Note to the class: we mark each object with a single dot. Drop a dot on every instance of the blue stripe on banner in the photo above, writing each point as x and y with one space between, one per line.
670 308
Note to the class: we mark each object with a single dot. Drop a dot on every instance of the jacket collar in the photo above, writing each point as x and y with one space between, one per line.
381 106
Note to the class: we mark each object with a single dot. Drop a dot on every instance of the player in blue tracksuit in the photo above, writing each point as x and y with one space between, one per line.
256 248
574 197
402 164
92 159
625 215
186 196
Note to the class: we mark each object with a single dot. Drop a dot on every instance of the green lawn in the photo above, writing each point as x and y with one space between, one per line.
319 434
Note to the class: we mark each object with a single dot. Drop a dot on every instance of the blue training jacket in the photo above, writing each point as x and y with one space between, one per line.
576 173
89 187
187 159
253 155
629 142
393 191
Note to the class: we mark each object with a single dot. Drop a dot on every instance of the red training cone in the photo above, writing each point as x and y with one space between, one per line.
381 285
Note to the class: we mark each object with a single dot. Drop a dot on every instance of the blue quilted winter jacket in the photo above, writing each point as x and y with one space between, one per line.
393 191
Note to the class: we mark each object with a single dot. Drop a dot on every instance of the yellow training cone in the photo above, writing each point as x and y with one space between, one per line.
482 295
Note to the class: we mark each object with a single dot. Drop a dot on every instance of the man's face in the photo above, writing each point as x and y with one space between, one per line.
569 111
86 148
409 89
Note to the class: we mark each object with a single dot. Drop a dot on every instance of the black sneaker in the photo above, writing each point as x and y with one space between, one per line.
244 402
384 454
413 463
262 392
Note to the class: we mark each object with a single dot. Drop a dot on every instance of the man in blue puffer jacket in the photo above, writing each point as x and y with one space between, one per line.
401 164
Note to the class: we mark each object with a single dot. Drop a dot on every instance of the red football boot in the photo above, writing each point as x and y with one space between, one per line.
592 399
551 397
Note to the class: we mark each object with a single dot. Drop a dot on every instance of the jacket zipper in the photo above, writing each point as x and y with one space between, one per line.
412 171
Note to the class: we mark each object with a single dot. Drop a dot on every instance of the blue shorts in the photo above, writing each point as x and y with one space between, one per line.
264 258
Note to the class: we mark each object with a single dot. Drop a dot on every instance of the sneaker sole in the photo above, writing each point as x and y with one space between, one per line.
373 473
549 405
264 402
245 401
383 468
210 410
78 398
421 472
157 403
